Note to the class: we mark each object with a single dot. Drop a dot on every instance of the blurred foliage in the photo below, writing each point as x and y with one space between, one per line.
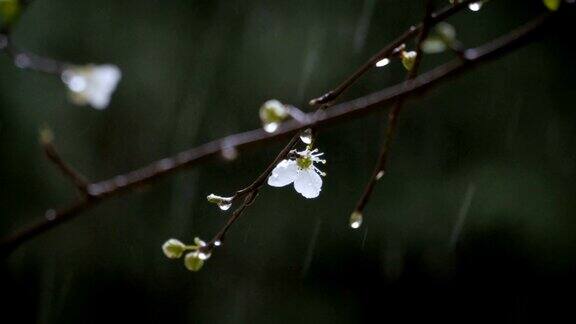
196 70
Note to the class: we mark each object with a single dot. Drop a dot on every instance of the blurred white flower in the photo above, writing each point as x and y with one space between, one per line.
92 84
302 172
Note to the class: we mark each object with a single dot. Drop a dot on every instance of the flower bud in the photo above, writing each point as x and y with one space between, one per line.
199 242
408 59
446 32
272 113
223 203
173 248
552 5
9 12
193 262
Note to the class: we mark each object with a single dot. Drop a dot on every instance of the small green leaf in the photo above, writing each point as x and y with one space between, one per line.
553 5
9 11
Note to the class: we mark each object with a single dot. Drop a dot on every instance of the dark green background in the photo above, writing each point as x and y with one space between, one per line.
198 70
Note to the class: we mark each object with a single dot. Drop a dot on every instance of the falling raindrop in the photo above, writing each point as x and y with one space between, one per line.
380 175
382 62
306 136
271 127
356 219
475 6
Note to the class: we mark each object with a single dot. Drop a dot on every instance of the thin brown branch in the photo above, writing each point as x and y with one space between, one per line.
23 59
338 113
388 51
250 193
381 165
30 61
78 180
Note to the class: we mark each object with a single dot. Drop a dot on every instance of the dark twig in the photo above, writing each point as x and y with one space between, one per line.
338 113
23 59
68 171
380 168
250 193
388 51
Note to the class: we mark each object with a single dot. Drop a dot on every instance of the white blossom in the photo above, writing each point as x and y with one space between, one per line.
92 84
302 172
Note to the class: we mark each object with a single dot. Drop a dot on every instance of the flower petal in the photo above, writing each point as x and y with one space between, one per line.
283 174
103 81
308 183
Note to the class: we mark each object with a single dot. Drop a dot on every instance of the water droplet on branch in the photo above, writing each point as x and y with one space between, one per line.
356 219
383 62
306 136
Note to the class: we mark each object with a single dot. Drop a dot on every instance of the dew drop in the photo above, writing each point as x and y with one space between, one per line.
356 220
203 256
50 215
380 175
306 136
382 62
225 205
271 127
217 243
475 6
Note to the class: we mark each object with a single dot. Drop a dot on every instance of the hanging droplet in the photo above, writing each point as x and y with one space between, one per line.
475 6
306 136
271 127
356 219
225 205
217 243
203 256
383 62
380 175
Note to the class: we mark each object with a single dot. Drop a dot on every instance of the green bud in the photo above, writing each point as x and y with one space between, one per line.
446 32
433 45
46 135
199 242
552 5
223 203
9 11
173 248
444 37
408 59
272 113
193 262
